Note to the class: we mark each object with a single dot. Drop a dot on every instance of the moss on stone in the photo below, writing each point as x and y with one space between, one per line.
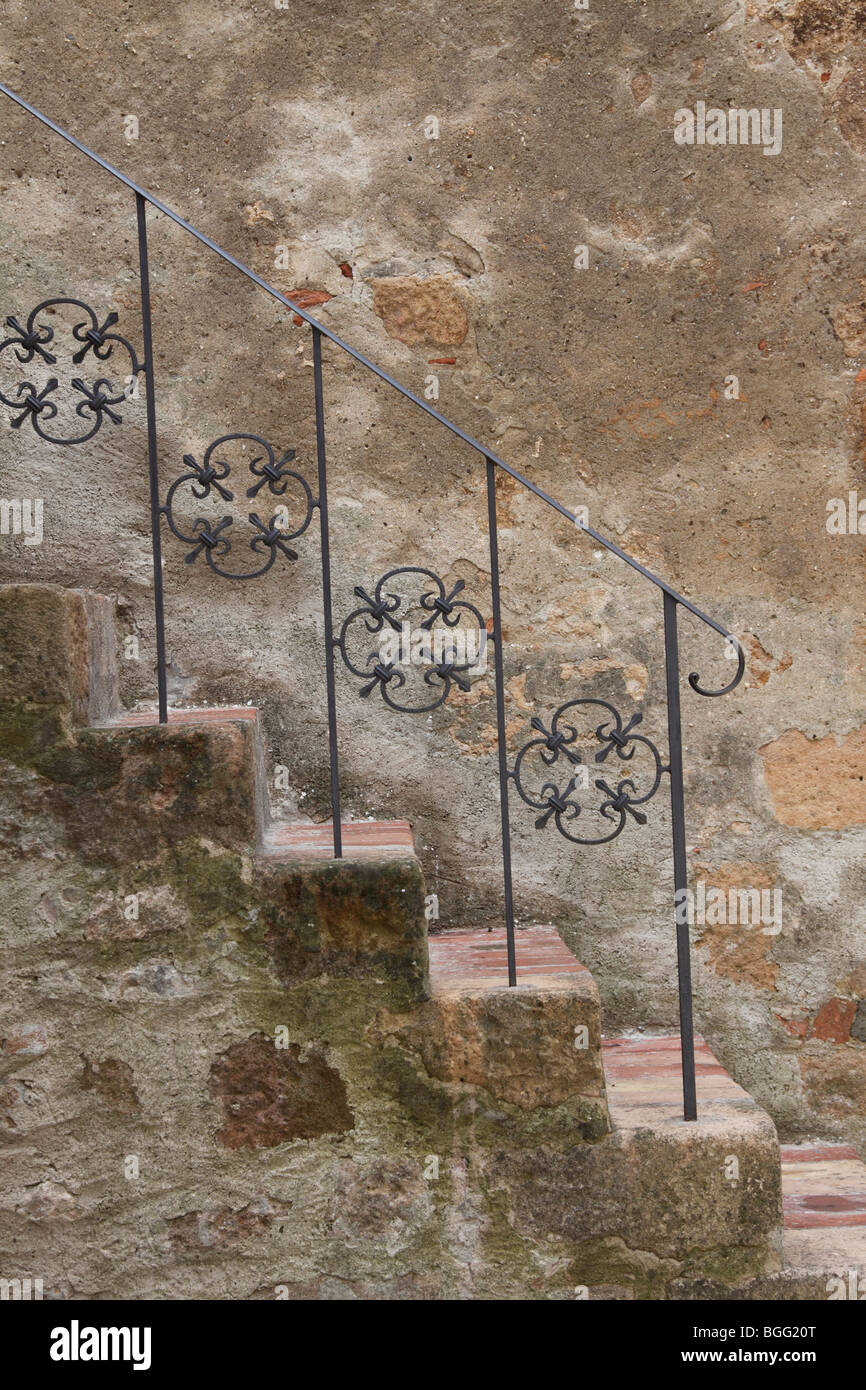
582 1119
348 918
424 1103
29 734
607 1260
731 1264
213 885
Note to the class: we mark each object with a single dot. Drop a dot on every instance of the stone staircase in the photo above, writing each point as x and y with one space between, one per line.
234 1067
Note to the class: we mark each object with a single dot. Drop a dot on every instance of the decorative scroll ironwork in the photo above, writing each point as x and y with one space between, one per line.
213 539
560 802
37 401
695 680
426 650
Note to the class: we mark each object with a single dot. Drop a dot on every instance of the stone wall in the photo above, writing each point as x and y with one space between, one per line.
299 140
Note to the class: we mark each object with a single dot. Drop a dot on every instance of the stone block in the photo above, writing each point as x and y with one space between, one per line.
351 917
663 1189
44 648
536 1045
817 783
420 311
272 1095
126 793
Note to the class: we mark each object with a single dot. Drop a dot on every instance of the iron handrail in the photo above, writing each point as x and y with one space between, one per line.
614 737
366 362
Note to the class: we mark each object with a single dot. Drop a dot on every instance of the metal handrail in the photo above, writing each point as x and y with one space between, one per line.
614 737
365 362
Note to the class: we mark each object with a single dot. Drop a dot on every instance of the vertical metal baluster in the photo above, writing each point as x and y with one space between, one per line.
678 823
500 720
326 597
153 469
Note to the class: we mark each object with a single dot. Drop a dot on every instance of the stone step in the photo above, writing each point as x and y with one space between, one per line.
647 1176
823 1185
644 1077
359 916
204 768
479 956
157 807
206 714
531 1048
361 840
713 1184
824 1201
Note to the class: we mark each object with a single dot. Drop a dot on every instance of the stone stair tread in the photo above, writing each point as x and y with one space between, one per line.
478 958
824 1205
827 1248
208 714
644 1078
361 840
818 1152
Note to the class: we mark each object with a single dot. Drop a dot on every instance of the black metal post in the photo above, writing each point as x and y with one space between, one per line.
326 598
678 824
500 719
152 464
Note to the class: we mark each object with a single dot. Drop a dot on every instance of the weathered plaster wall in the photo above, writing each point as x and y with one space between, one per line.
305 129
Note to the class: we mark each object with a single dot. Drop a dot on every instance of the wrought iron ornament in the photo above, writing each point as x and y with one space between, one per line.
559 801
444 668
37 403
695 680
213 539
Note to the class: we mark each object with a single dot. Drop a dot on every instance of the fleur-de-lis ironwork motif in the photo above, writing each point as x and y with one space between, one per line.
442 663
95 399
208 540
620 800
31 340
213 539
29 343
270 474
94 337
207 477
271 539
558 803
562 805
35 402
440 605
378 609
383 674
